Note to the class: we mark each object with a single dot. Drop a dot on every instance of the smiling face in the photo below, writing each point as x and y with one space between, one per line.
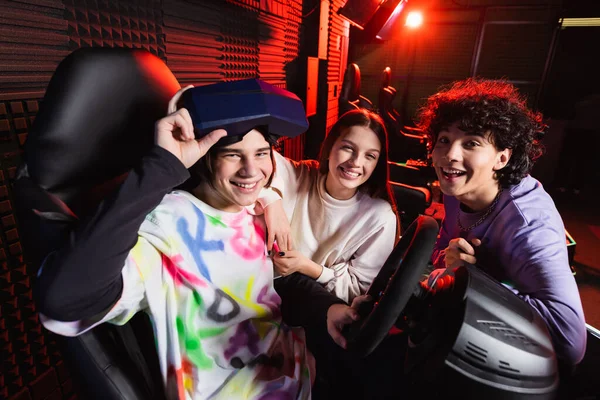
352 160
465 166
239 172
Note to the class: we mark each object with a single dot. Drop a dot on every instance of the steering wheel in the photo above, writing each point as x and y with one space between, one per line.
393 287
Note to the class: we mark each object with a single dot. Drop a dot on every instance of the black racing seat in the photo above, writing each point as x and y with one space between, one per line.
95 123
410 183
411 202
387 94
350 95
413 172
405 143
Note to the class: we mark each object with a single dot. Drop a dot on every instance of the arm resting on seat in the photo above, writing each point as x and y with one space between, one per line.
83 278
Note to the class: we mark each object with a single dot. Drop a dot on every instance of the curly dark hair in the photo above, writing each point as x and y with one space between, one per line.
479 106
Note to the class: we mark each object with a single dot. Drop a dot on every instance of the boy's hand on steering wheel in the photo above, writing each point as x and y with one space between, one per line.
340 315
175 133
460 251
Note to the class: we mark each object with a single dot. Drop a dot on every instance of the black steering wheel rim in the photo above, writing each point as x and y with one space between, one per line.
393 287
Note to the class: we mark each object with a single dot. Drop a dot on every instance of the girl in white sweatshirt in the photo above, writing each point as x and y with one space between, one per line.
341 212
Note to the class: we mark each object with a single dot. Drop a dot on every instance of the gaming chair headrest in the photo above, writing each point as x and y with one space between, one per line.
386 78
97 118
240 106
351 85
386 99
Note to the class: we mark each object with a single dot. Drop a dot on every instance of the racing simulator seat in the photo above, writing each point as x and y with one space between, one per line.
411 202
350 97
405 143
385 88
410 173
95 123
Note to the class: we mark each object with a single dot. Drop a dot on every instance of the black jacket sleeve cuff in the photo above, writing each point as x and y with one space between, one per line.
304 301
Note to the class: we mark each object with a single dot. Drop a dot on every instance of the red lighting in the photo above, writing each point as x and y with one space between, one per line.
414 19
387 29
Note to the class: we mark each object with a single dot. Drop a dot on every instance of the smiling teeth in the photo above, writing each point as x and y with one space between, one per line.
453 171
245 185
353 174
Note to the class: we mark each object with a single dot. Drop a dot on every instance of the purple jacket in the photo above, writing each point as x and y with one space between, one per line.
524 247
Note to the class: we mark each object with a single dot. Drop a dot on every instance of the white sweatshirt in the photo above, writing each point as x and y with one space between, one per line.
350 238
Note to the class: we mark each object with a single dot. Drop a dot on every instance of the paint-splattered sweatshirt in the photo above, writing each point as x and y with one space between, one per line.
202 275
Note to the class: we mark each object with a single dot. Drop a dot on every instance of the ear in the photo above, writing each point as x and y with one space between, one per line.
502 159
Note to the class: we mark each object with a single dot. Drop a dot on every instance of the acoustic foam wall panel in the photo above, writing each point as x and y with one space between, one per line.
29 359
209 42
33 40
337 54
271 49
111 23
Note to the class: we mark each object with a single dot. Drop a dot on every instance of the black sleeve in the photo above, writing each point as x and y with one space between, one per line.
83 278
304 301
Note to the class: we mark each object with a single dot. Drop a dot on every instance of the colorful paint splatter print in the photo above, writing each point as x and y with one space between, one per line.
205 279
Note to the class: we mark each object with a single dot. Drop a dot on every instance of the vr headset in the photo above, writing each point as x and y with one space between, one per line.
240 106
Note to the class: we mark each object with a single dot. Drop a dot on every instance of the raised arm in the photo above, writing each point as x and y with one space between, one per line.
84 278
